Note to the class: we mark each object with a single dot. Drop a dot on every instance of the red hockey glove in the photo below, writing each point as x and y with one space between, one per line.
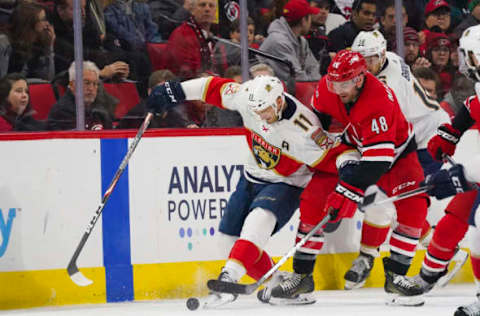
444 142
343 202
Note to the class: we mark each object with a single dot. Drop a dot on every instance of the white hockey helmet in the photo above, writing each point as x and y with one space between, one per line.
469 53
371 44
262 92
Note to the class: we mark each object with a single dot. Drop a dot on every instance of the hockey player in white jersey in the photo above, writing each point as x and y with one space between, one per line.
425 115
453 226
284 137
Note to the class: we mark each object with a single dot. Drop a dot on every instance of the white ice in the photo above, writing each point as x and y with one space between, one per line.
329 303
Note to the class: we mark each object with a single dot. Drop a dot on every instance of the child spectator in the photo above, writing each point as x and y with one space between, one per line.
16 114
228 55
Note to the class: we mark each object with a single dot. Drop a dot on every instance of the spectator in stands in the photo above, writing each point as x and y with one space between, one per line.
387 23
235 73
228 55
174 118
317 36
29 48
16 114
105 51
363 19
325 18
131 22
472 19
438 53
412 49
462 88
163 14
189 44
437 19
286 40
261 69
429 80
415 10
63 114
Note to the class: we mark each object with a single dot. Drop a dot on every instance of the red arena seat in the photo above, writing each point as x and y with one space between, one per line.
158 55
304 91
42 98
126 93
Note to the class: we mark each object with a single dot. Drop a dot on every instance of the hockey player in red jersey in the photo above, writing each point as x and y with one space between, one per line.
368 112
425 115
459 213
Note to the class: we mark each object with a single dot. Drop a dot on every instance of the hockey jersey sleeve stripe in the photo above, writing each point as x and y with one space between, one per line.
213 89
425 99
377 158
382 145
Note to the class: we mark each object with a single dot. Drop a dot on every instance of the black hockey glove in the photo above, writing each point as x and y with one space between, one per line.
164 97
448 182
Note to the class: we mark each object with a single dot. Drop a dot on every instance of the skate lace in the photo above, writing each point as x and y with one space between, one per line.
291 283
404 282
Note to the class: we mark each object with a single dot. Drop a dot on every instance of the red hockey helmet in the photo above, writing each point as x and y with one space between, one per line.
344 70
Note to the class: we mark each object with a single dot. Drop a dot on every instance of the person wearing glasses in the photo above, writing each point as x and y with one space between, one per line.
63 114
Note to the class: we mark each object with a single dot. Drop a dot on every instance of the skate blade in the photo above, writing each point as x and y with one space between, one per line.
459 259
216 300
301 299
399 300
350 285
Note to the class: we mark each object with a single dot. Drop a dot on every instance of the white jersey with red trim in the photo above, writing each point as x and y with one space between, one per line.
424 113
374 123
280 151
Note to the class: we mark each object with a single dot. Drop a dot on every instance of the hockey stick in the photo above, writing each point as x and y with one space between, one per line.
368 201
72 269
236 288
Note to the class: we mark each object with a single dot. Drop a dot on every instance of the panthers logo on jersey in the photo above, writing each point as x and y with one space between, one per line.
267 155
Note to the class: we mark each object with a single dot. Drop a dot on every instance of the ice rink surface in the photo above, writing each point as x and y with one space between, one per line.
353 303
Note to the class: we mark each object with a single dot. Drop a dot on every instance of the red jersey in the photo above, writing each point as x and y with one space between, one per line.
473 106
374 124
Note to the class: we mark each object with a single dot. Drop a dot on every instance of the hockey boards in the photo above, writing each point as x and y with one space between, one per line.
72 269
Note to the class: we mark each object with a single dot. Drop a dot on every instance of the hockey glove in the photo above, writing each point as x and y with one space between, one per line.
444 142
343 202
449 182
164 97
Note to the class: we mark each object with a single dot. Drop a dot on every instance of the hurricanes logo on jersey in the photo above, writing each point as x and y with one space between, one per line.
267 155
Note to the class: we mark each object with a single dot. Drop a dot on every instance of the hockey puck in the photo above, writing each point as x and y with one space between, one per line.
193 303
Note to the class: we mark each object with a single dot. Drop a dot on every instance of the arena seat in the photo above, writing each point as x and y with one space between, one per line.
158 55
126 93
304 91
42 98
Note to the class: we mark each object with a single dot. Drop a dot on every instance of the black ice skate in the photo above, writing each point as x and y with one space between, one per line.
469 310
401 289
360 270
215 299
295 289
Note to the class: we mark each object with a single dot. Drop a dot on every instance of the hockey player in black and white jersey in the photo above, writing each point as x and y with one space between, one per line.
425 115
